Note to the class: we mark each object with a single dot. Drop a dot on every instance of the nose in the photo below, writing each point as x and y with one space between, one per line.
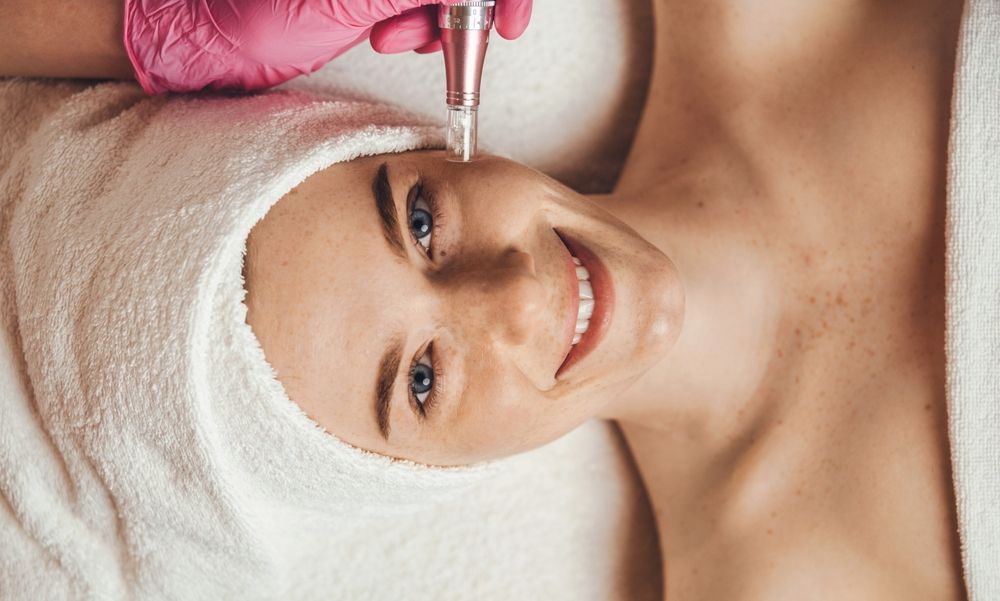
504 298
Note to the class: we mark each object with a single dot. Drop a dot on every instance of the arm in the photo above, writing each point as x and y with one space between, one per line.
59 38
186 45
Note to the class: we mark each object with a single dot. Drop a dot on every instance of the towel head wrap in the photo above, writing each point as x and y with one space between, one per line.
128 249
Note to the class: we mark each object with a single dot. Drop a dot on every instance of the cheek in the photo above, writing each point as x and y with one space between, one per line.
509 417
518 422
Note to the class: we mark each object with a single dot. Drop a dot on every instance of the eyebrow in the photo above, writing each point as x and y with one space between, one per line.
385 206
387 370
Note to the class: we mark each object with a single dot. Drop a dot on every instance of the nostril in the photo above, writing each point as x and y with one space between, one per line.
520 261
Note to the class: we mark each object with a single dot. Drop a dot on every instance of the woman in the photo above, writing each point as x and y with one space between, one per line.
770 322
794 182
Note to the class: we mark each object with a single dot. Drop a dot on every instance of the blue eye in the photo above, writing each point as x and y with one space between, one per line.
421 218
422 379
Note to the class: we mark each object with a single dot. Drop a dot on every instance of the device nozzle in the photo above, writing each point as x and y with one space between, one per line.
461 133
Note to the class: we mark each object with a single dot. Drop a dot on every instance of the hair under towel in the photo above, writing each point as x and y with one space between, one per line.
184 465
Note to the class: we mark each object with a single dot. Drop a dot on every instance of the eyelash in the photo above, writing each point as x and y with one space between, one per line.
418 191
428 404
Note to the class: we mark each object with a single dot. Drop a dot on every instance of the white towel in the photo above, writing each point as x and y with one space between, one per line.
973 297
184 465
147 449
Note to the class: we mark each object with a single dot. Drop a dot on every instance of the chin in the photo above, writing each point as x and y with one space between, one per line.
666 316
643 331
658 307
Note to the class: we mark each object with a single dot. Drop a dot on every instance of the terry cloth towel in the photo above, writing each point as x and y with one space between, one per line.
973 297
159 455
569 520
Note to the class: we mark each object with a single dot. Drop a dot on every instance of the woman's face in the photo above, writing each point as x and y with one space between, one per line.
421 309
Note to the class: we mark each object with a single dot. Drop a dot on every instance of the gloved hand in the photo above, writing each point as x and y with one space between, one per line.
186 45
417 29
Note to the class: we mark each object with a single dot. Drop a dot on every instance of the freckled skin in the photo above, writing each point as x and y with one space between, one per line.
794 440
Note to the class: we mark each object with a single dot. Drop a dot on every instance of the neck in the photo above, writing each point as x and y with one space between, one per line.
705 391
693 192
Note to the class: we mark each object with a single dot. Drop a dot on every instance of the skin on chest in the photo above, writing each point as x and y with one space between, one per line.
842 486
845 477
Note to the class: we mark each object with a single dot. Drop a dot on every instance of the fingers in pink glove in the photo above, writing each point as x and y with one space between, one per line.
416 29
511 17
373 11
434 46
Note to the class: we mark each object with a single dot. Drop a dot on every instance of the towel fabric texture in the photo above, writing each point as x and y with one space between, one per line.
178 445
973 298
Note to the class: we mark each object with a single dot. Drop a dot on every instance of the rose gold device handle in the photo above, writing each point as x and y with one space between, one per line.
465 32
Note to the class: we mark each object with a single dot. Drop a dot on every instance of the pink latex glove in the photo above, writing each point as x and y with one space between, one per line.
187 45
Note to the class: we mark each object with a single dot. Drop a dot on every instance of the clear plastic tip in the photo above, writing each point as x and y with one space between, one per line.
461 133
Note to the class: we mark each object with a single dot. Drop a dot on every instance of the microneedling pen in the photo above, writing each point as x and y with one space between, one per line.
465 32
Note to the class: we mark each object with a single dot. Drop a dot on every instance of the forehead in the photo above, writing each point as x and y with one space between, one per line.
323 288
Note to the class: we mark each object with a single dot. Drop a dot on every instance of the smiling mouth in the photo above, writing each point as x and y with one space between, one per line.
590 301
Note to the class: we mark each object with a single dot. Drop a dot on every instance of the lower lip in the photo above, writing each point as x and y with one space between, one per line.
604 302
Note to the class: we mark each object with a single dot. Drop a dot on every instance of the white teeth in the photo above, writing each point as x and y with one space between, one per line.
586 300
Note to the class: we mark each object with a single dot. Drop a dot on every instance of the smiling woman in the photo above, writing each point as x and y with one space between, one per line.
423 310
760 304
140 386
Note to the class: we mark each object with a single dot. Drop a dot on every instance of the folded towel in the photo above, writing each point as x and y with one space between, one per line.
183 461
973 298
